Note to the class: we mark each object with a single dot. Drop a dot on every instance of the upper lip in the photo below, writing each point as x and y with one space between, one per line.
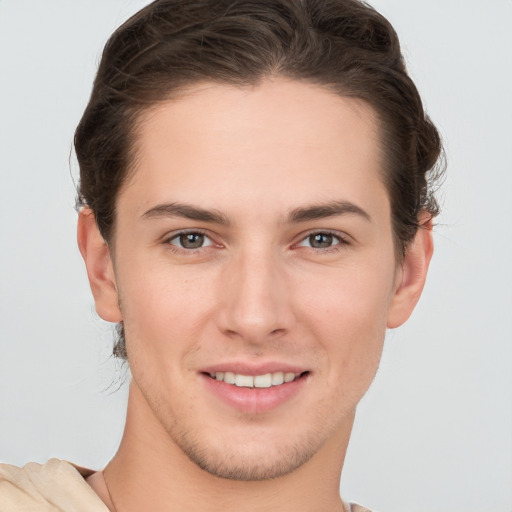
245 368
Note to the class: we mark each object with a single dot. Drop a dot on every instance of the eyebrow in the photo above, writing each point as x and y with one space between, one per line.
322 211
297 215
186 211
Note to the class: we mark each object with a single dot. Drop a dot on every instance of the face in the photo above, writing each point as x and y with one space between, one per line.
255 271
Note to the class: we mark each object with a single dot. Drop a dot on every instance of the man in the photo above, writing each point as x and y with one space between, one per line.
256 212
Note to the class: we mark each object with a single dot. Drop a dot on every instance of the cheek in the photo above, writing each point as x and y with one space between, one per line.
350 298
162 312
347 315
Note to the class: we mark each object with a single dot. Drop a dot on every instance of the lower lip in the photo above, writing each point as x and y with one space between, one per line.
255 400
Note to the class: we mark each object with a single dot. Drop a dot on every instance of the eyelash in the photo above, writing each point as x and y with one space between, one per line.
342 241
183 250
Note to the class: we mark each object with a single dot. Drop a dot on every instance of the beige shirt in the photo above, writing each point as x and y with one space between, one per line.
56 486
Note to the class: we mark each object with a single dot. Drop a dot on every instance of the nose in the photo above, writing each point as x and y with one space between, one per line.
255 298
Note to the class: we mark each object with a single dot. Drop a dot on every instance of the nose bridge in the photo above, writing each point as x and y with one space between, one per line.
256 301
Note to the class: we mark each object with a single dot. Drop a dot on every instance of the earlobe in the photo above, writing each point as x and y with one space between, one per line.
413 273
96 255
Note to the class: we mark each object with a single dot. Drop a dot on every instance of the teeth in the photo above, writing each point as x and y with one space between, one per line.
229 378
263 381
288 377
258 381
244 381
277 378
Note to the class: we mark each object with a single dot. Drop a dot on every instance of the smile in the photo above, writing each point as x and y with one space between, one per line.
255 381
253 390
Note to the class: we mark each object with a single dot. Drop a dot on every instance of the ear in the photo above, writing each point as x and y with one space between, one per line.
100 270
412 274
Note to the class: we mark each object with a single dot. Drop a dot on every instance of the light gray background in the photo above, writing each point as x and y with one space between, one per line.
435 431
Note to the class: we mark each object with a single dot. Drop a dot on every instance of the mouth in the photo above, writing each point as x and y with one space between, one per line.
256 388
266 380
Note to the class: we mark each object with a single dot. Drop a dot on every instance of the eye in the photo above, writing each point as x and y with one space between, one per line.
190 240
321 240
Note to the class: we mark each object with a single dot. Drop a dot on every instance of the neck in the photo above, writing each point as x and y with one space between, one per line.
150 472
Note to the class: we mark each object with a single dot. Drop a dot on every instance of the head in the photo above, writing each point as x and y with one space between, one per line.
235 80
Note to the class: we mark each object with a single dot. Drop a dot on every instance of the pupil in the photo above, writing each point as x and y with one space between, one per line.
192 240
321 241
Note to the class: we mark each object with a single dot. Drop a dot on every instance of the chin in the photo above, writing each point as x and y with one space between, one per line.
251 462
255 452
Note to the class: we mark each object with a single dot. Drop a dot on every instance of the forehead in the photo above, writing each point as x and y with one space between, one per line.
284 141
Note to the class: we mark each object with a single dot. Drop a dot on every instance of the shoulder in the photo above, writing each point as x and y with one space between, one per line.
353 507
51 487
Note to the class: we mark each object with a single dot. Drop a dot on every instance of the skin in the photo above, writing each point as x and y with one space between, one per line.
259 290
